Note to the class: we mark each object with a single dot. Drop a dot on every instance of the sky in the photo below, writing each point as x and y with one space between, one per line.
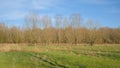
106 12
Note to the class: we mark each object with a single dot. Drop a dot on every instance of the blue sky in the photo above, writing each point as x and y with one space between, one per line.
106 12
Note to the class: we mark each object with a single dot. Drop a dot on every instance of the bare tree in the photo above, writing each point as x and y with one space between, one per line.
92 32
58 27
32 26
3 33
75 20
47 23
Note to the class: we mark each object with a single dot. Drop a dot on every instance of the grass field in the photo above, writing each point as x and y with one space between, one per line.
62 56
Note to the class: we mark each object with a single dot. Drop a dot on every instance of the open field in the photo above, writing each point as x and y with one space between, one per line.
53 56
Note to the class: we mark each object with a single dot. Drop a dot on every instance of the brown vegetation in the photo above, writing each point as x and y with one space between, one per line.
65 30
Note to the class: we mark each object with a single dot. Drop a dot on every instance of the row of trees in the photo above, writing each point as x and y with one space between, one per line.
58 30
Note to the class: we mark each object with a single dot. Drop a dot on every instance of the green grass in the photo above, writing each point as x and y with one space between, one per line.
60 56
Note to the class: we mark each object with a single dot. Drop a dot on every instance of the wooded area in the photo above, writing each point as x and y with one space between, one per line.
48 30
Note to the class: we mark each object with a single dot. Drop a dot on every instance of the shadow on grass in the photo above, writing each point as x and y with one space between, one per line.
108 54
48 61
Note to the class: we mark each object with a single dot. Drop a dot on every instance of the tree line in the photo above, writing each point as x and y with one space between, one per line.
58 30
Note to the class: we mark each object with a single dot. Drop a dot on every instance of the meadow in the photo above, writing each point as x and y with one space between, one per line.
59 56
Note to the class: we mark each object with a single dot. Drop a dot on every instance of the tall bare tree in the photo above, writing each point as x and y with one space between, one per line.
58 22
92 32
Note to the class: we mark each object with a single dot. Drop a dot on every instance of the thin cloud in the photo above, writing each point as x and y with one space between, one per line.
11 4
45 4
114 10
17 9
14 15
100 2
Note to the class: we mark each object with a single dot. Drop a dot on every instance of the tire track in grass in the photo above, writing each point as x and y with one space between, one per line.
48 61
